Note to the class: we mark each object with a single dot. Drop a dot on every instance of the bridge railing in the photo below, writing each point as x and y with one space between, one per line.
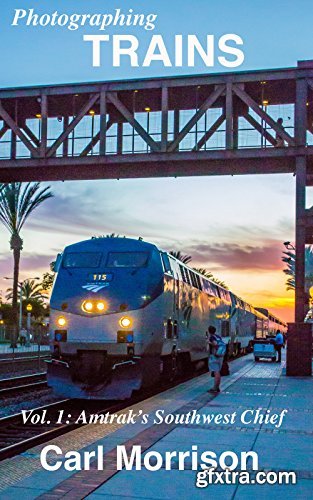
183 114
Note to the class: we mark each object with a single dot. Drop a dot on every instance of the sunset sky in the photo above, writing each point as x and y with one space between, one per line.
234 226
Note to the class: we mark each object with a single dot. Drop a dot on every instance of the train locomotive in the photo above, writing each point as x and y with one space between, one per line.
125 314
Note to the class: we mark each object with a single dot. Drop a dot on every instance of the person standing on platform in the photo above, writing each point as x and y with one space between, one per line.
279 342
217 352
23 335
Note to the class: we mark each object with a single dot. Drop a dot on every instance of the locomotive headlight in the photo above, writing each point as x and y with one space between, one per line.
100 306
61 321
90 306
87 306
125 322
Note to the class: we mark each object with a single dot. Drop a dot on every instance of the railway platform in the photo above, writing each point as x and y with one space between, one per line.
251 386
6 350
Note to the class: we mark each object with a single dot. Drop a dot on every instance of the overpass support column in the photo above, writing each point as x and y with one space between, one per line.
299 350
300 301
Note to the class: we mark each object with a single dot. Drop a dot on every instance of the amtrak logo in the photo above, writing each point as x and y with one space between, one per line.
95 287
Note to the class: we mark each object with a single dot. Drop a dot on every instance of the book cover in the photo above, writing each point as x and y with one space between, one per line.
155 249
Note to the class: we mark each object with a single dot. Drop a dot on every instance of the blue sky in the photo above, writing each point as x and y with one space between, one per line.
275 34
234 226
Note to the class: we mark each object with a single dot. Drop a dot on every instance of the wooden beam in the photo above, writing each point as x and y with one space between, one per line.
13 146
286 74
229 116
65 142
164 119
84 110
3 131
203 108
235 129
17 131
31 135
301 111
119 138
267 118
133 122
300 300
310 83
44 125
149 165
209 132
95 140
103 123
260 129
176 123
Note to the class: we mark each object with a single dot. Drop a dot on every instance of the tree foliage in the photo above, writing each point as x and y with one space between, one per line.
111 235
289 258
185 259
31 290
47 281
17 203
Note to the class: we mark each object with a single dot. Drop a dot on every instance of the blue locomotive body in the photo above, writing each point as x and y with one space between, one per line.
124 314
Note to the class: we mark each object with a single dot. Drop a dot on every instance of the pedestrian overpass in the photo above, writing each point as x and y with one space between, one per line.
216 124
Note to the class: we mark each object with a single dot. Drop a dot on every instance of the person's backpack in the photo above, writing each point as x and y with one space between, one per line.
221 347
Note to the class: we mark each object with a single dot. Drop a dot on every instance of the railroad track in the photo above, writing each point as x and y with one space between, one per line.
13 386
16 436
23 359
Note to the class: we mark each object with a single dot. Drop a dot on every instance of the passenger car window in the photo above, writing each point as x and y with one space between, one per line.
166 263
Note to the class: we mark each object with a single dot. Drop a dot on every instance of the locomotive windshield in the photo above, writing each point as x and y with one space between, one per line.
118 273
127 259
86 259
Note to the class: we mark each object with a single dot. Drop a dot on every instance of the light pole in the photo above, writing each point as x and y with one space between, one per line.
29 309
20 318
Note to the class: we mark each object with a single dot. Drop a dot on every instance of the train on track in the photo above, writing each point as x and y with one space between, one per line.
125 314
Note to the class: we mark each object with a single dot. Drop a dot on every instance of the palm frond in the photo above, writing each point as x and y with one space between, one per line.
185 259
9 196
31 290
220 283
289 258
17 202
204 272
31 198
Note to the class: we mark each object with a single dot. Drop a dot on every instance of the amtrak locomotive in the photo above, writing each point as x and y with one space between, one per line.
125 314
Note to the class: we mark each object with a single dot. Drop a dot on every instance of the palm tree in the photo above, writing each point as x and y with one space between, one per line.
289 258
17 202
111 235
48 278
204 272
185 259
31 290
